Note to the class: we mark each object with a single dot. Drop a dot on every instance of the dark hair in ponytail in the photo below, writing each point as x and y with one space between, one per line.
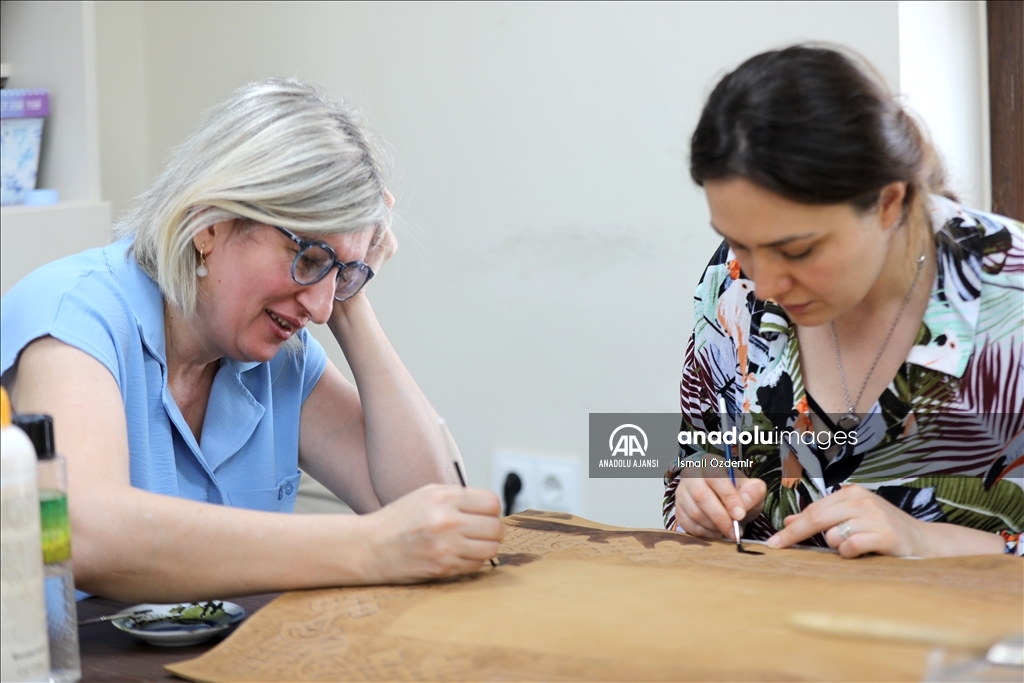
809 124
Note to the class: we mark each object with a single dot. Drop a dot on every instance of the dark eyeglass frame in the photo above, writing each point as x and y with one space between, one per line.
342 266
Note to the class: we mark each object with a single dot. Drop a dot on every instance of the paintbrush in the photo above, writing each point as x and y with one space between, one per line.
452 450
111 617
732 476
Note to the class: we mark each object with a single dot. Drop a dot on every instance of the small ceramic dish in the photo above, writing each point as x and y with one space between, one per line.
186 623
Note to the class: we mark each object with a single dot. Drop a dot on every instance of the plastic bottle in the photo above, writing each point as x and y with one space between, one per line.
61 610
23 642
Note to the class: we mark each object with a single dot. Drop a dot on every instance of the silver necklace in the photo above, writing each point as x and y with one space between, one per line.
850 421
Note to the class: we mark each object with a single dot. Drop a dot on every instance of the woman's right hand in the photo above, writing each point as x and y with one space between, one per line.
434 532
707 502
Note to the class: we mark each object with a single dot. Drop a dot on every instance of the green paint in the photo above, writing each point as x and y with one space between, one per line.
53 508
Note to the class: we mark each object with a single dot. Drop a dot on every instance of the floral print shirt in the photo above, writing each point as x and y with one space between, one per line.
944 442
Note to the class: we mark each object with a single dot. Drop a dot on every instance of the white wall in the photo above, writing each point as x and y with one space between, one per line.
550 235
120 55
944 79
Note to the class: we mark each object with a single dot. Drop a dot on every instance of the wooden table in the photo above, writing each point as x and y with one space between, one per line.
112 655
572 599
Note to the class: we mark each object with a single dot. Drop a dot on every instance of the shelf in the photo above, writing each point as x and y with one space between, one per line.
53 45
31 236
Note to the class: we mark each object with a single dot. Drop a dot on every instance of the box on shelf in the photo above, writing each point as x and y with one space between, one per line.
21 119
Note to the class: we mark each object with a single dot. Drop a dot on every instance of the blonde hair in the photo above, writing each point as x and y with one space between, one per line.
278 152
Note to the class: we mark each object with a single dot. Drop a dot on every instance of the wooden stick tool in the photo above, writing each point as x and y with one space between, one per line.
453 449
732 477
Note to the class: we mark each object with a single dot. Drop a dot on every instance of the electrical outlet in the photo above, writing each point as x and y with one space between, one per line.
558 484
547 482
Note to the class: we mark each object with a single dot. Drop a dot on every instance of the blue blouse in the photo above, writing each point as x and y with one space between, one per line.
101 302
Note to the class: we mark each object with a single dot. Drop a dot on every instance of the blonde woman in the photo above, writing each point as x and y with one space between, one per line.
186 391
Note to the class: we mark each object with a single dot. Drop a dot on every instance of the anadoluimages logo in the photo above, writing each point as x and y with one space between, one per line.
632 445
628 444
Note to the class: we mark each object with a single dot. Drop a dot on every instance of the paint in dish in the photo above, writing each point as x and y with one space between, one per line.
178 625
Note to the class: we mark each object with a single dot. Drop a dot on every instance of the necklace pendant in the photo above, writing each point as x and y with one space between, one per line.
849 422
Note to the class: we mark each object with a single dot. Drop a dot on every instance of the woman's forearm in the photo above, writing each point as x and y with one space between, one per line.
950 540
134 545
405 446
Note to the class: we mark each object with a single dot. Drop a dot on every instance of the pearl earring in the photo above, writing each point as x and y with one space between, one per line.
202 270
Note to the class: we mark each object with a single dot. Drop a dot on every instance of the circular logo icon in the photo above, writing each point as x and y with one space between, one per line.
627 444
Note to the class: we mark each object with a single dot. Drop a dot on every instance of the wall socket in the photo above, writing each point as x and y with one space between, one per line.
549 482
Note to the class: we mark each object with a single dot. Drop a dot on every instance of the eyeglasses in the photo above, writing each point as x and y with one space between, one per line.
316 259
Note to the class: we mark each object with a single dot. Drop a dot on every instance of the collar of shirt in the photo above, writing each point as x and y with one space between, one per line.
951 319
146 300
232 411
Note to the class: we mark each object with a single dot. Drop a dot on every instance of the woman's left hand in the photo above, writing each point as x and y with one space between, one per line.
383 245
857 521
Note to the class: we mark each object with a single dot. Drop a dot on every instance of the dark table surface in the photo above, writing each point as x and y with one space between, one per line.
112 655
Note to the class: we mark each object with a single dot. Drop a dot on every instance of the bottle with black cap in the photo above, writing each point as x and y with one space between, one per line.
61 612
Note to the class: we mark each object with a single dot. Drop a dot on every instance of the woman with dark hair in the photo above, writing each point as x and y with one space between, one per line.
857 318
